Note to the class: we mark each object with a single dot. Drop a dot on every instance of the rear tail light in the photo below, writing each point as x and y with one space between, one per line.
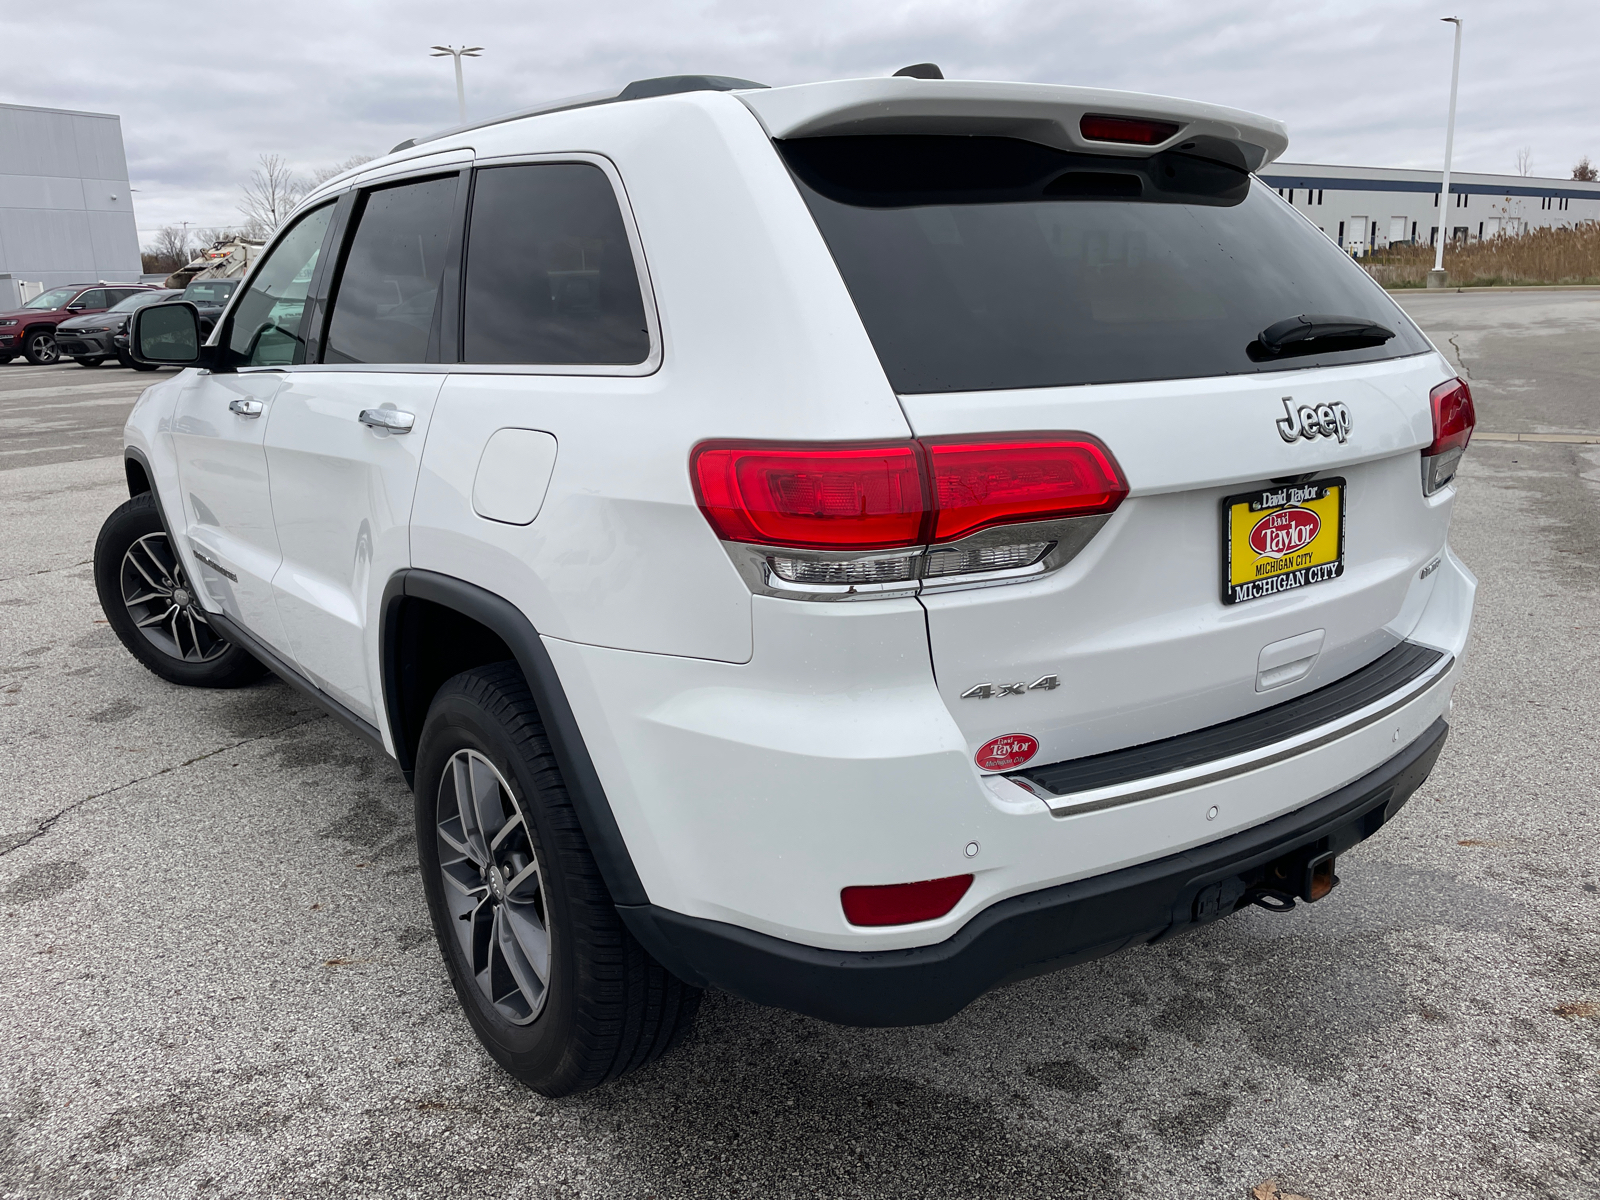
903 903
1136 131
1453 421
819 497
893 513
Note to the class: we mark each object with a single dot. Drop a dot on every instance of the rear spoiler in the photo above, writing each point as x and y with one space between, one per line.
1047 113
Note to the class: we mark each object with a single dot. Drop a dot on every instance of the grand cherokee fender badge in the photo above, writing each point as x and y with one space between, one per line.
1308 421
1006 752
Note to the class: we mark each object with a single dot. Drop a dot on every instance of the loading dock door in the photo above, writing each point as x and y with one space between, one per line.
1397 230
1355 235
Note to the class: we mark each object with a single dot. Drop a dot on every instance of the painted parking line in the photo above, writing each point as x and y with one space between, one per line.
1578 439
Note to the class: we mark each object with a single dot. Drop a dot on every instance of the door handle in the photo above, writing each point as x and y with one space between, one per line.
389 419
246 408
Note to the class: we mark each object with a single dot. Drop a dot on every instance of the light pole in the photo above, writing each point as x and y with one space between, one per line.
461 90
1437 276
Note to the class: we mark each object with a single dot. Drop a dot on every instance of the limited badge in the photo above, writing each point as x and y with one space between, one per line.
1007 752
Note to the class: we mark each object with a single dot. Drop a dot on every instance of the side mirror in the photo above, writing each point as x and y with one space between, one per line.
167 335
74 308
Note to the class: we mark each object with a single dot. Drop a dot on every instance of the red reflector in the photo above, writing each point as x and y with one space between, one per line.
979 484
903 903
1453 416
1136 131
838 497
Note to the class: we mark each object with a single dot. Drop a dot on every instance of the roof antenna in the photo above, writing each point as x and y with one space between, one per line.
921 71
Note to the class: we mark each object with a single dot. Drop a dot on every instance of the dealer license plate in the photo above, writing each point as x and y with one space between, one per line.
1282 538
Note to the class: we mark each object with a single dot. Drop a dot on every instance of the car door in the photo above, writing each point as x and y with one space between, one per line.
346 434
218 428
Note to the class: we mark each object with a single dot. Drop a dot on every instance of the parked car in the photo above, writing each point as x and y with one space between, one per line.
92 338
210 297
31 329
855 544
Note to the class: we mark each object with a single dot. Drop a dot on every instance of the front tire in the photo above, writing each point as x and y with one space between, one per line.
40 348
552 982
151 605
87 361
128 362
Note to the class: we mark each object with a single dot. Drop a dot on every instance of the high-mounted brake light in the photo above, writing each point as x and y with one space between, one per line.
1133 131
903 903
1454 418
845 509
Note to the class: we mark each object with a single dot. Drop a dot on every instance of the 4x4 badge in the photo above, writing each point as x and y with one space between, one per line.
988 691
1308 421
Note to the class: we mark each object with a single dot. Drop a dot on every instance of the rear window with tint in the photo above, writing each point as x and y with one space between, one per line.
550 274
983 263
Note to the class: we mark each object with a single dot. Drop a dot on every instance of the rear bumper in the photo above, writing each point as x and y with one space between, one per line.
1035 932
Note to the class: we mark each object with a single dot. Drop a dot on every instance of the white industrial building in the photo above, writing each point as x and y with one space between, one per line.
66 212
1368 208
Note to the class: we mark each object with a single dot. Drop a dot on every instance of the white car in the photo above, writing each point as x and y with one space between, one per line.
853 544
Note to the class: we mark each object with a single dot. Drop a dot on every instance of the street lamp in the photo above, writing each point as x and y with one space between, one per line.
461 91
1437 277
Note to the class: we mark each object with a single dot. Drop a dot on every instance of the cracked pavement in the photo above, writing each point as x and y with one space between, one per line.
220 979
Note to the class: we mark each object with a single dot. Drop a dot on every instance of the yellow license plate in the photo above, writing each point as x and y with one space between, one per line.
1279 539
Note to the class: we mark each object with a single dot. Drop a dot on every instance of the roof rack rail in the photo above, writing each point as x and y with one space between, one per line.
639 89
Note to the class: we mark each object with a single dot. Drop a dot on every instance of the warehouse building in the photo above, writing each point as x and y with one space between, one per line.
66 212
1368 208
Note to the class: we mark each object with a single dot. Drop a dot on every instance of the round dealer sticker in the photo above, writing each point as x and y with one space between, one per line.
1006 752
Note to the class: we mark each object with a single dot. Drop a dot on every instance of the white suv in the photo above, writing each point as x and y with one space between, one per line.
853 544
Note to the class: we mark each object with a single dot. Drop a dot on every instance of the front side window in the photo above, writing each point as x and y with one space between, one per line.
266 322
54 298
983 263
383 308
550 274
140 299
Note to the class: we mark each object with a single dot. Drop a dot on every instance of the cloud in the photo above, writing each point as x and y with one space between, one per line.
203 90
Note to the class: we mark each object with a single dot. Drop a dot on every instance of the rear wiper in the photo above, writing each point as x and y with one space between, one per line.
1316 334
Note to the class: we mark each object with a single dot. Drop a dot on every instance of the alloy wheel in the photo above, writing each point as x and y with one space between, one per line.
42 349
163 605
493 886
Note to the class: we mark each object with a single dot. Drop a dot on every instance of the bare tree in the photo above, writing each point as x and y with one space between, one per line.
1525 161
172 247
269 196
322 174
1585 170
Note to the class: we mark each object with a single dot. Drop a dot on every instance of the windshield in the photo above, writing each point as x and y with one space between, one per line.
139 300
210 291
54 298
983 263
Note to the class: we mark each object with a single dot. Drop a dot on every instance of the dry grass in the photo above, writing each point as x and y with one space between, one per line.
1538 256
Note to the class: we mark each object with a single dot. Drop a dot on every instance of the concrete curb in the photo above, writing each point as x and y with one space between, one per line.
1579 439
1524 287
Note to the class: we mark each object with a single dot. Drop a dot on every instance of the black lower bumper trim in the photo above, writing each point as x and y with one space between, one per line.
1033 933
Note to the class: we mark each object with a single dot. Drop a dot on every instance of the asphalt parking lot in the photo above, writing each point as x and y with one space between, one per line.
220 980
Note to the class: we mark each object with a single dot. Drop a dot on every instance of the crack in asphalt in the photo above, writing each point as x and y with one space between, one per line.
48 570
1460 361
49 822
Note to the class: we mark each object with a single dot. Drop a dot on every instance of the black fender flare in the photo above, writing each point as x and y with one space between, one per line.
507 622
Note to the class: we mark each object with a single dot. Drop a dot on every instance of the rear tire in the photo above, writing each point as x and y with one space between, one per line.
40 348
552 982
151 606
135 366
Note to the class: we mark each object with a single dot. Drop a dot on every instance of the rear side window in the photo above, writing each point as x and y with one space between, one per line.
383 308
93 299
550 275
984 263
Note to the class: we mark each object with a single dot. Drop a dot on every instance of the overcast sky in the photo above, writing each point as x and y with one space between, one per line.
204 89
